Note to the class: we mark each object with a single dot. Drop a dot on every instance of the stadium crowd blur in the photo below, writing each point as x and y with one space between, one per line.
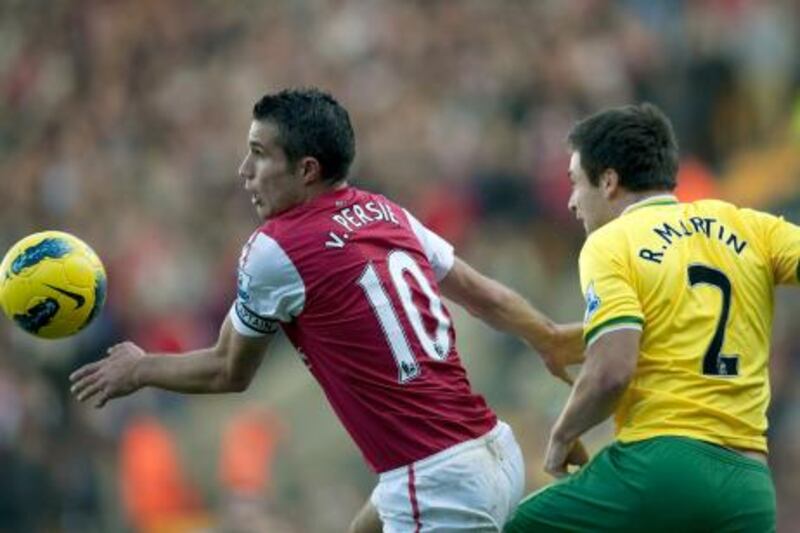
124 123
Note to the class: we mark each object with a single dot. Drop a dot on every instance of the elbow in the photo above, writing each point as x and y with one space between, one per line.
614 382
226 382
475 310
238 383
613 386
238 387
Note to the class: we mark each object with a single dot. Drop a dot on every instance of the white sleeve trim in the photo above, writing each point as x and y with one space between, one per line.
438 251
614 327
269 289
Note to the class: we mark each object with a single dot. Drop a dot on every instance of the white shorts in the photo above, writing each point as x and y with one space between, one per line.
472 486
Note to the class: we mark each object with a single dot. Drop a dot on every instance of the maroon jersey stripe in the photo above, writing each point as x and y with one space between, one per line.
412 495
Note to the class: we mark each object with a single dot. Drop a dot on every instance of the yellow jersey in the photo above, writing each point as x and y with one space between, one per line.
698 280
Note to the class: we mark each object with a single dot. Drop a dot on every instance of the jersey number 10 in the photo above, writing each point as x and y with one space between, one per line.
437 347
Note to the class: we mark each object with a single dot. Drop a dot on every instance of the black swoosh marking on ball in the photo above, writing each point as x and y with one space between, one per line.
79 300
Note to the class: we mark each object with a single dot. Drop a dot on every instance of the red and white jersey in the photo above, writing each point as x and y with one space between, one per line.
352 279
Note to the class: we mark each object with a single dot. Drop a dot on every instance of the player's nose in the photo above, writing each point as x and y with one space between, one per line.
245 174
572 205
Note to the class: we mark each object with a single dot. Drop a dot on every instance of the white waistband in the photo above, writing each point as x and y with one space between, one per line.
447 453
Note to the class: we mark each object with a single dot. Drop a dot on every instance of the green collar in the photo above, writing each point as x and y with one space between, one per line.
659 199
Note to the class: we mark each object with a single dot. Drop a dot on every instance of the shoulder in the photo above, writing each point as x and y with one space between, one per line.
265 259
610 238
732 212
752 221
714 203
269 286
716 206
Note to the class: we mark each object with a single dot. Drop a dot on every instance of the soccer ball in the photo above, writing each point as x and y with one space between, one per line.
53 285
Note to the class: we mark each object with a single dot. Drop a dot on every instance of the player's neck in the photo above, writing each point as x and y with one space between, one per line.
320 189
628 199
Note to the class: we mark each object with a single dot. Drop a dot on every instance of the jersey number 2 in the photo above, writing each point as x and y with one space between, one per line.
438 346
714 362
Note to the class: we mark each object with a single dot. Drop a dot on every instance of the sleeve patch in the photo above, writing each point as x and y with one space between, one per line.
592 303
243 286
269 286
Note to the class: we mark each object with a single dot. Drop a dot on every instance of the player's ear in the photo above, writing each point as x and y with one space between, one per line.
309 170
609 183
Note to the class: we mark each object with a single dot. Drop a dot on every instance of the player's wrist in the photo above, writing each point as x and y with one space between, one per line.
543 337
138 373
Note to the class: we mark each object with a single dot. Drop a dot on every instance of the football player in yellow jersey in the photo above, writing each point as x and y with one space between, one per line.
679 304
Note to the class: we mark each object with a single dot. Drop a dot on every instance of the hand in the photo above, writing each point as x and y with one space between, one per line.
561 454
110 377
566 348
555 364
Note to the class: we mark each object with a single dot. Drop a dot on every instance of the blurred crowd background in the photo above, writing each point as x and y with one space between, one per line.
124 123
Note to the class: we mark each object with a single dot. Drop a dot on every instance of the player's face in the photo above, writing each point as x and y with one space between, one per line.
268 177
587 201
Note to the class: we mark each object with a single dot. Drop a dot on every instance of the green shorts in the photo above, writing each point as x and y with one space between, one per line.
659 484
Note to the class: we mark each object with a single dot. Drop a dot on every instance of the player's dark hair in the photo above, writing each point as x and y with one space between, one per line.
311 123
637 141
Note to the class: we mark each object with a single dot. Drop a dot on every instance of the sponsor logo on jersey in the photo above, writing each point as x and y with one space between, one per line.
592 303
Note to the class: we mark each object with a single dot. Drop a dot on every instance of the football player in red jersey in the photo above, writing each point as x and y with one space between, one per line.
355 282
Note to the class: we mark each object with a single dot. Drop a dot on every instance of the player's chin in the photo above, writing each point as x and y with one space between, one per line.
263 211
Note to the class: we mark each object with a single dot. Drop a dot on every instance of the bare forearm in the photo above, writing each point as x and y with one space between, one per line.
511 313
227 367
197 372
610 366
590 403
505 310
508 311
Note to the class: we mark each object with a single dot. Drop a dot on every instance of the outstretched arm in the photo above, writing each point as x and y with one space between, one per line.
228 366
502 308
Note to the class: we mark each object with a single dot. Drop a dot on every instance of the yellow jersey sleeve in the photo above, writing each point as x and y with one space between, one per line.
781 242
612 302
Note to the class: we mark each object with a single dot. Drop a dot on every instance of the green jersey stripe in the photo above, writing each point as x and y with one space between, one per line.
611 322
